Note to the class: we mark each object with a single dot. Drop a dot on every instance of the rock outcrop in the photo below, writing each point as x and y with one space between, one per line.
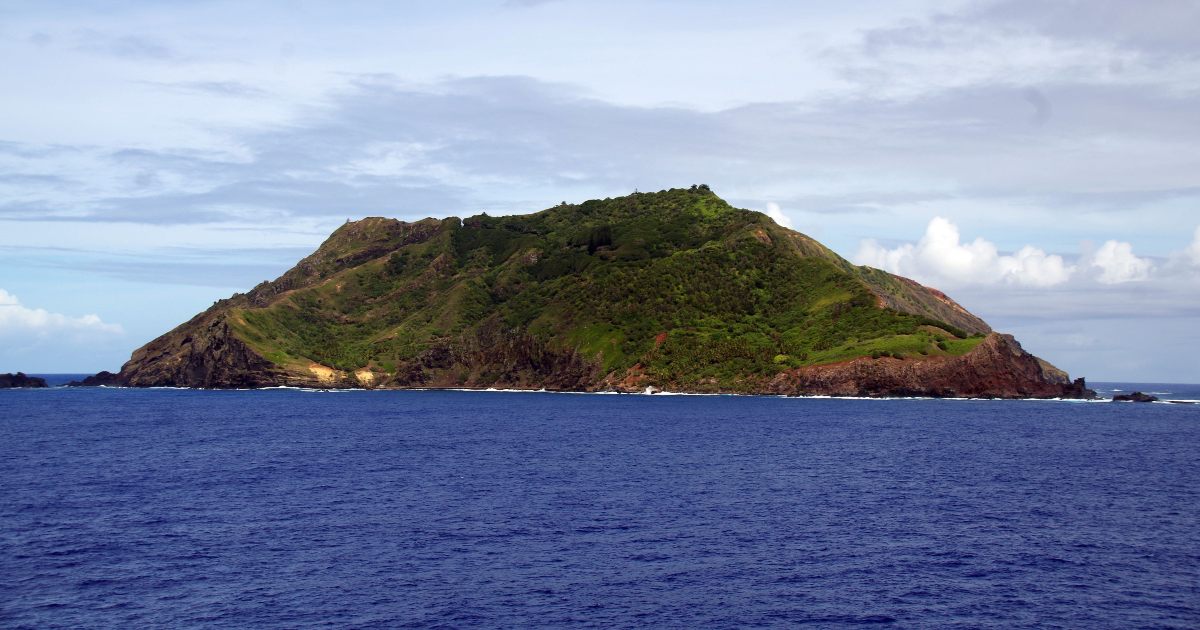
997 368
1135 397
203 353
104 378
500 357
20 380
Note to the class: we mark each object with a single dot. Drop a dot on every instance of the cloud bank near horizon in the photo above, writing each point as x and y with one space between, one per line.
20 321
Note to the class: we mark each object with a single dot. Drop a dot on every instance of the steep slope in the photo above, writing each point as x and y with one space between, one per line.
674 289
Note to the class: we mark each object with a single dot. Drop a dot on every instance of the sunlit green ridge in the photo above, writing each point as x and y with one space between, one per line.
677 286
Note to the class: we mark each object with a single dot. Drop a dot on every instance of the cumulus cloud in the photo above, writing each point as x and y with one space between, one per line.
777 215
1193 250
1117 263
18 319
941 257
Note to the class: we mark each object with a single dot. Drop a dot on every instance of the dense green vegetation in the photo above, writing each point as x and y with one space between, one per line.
676 282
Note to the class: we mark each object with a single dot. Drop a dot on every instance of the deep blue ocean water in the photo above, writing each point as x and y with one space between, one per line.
286 508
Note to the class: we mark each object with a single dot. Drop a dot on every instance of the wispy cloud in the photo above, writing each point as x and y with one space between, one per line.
1148 25
236 89
517 144
128 46
1193 250
527 3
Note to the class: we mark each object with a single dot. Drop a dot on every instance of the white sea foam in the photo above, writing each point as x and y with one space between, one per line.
316 390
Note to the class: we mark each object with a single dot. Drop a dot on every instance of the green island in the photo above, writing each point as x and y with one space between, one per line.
672 290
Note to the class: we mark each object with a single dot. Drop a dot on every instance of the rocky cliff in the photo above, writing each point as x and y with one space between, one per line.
996 368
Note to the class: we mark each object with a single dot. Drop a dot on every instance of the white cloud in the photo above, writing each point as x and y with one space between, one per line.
398 159
777 215
1117 263
18 319
1034 267
941 256
1193 250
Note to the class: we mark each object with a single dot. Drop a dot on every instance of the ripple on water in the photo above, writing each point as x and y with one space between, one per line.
281 509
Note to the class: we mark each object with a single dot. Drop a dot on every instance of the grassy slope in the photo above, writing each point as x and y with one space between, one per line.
735 294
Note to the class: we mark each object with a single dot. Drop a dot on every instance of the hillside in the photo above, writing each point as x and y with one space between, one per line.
675 290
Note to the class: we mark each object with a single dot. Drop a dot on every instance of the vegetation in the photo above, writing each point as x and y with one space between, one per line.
677 284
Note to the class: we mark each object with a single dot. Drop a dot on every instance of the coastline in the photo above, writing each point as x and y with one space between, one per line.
660 393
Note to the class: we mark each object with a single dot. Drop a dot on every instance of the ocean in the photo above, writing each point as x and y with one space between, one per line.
292 508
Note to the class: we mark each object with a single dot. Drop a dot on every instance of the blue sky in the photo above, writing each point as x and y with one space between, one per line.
1035 159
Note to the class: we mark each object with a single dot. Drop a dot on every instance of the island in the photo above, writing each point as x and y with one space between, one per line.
668 291
19 379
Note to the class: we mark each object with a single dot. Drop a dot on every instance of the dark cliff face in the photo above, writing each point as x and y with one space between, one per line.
500 357
203 353
20 380
996 368
675 290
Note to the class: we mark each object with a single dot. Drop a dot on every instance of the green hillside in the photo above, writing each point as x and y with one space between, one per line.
676 287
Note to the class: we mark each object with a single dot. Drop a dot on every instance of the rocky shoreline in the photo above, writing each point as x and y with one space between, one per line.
998 368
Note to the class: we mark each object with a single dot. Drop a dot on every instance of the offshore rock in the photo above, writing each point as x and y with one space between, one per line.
20 380
103 378
1135 397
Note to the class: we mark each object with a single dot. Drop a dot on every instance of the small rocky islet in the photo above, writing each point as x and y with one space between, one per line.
20 379
1135 397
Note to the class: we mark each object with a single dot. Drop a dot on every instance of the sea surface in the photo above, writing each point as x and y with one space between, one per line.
290 508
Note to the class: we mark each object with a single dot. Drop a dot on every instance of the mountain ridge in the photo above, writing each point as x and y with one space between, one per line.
672 290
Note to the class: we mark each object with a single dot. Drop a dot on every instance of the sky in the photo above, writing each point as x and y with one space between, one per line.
1035 159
